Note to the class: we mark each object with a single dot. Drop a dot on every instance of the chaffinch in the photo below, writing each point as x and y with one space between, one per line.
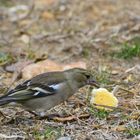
47 90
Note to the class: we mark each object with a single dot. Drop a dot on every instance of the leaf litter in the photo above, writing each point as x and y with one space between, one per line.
72 31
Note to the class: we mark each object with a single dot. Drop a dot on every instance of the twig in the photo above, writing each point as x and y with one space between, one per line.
126 90
109 107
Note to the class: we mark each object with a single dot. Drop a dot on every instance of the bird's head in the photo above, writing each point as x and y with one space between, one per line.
81 76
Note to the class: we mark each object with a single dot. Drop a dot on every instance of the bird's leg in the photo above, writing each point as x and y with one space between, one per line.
43 115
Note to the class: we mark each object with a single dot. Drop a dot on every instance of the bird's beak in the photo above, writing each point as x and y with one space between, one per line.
93 83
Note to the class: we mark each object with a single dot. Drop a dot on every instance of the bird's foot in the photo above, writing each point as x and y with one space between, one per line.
43 115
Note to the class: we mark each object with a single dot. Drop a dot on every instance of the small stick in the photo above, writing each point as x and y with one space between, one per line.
117 88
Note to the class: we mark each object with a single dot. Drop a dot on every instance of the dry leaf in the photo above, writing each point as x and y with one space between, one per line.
18 66
46 66
79 64
40 67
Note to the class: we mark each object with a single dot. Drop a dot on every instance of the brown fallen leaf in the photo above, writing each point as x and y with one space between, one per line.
40 67
46 66
79 64
18 66
70 118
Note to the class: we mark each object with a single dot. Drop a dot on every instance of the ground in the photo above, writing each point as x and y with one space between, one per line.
103 34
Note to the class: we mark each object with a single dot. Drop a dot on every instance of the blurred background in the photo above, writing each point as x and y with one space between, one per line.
46 35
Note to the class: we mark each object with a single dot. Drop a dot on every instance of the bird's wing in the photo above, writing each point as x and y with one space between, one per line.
42 85
29 90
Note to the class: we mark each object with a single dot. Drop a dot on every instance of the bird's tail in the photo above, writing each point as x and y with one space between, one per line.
5 100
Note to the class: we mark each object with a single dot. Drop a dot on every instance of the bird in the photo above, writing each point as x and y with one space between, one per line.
46 90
